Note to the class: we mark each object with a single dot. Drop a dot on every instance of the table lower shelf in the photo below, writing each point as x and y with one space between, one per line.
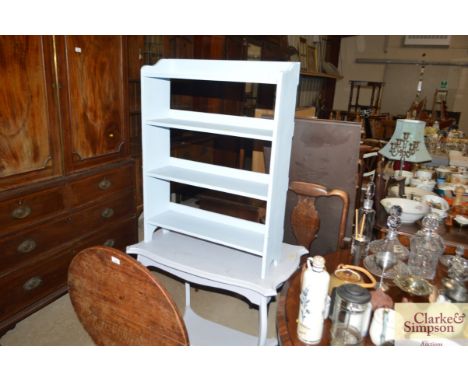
203 332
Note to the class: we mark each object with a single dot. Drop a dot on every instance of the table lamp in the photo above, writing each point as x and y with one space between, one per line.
407 143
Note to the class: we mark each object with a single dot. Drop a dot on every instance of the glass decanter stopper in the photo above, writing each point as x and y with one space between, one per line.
426 248
391 243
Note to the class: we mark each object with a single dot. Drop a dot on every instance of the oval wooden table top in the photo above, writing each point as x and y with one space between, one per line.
288 301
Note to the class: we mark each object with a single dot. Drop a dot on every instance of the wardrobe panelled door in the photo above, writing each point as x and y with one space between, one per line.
93 92
28 111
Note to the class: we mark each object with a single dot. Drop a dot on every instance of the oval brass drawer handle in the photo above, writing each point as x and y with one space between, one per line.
109 243
104 184
107 213
21 212
27 246
32 283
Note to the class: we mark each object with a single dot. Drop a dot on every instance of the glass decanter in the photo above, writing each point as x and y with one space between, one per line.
426 248
391 243
388 253
364 227
366 215
458 266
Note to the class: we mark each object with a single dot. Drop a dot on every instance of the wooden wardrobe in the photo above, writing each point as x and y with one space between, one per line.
67 180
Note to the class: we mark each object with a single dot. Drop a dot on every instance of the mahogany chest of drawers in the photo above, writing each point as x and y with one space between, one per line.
42 226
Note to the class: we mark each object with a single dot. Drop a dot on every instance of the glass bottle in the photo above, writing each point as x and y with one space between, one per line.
426 248
366 214
364 226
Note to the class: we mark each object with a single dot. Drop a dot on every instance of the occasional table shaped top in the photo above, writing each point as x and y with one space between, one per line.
218 263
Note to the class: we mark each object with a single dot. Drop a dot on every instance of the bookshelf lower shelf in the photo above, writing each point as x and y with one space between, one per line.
232 232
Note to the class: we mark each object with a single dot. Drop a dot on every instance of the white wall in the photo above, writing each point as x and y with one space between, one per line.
401 80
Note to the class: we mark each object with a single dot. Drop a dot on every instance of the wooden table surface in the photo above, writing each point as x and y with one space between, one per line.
288 301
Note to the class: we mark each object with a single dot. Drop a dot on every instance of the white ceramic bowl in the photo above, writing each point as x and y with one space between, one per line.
408 175
424 174
410 192
459 178
412 209
427 185
460 219
433 199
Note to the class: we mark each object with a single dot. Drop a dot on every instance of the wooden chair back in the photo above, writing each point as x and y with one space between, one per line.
374 142
305 219
119 302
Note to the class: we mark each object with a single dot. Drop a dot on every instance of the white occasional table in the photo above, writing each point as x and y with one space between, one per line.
191 259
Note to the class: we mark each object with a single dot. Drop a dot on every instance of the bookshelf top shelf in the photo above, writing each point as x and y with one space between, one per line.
268 72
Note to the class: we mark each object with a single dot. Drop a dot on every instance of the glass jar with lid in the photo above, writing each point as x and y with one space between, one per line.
350 314
426 248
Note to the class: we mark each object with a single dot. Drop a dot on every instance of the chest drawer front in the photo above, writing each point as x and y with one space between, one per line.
29 243
25 209
25 245
118 236
102 215
29 284
100 185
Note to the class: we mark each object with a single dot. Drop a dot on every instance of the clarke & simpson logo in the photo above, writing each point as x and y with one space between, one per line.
422 322
431 324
